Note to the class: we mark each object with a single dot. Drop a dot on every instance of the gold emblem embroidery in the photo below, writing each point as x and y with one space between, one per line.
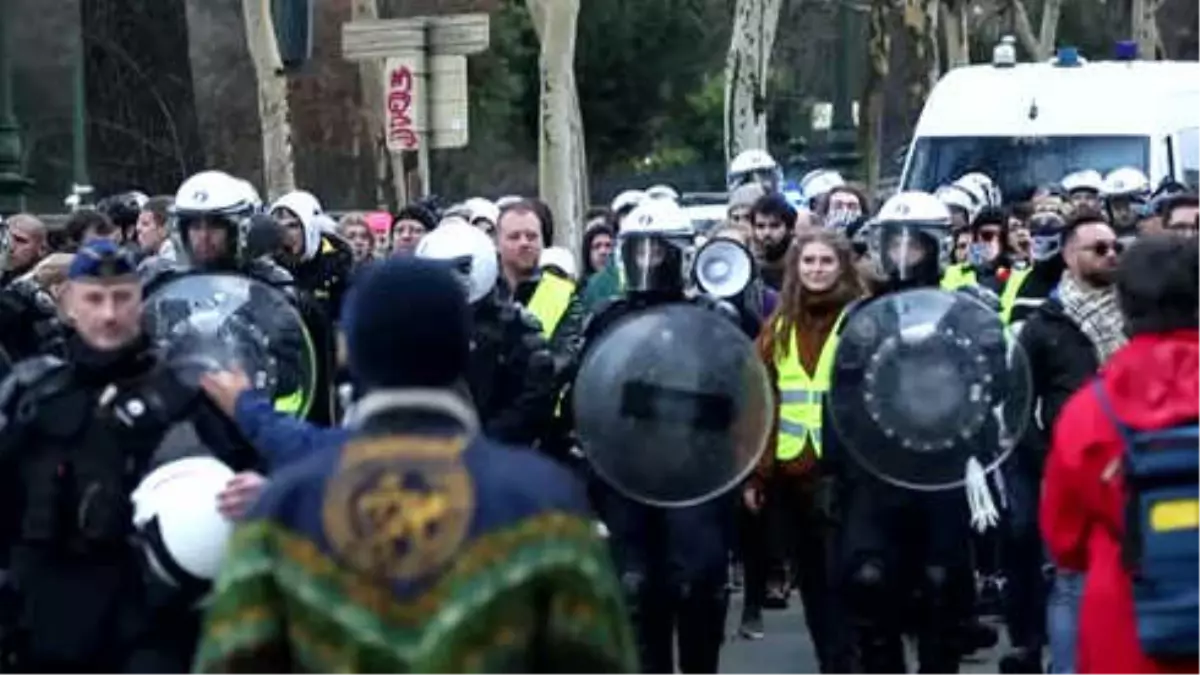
399 507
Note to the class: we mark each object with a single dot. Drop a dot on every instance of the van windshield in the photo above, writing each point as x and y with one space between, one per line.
1019 165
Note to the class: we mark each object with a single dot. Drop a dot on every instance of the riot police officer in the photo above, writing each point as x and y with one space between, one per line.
904 407
210 211
75 438
672 562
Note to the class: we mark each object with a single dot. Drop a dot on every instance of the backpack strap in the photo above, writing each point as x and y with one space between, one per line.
1107 408
1131 552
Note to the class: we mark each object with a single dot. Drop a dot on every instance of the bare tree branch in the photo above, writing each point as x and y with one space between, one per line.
117 50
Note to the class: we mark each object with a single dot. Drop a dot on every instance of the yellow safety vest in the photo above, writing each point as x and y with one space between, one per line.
800 397
291 404
550 300
957 276
1008 299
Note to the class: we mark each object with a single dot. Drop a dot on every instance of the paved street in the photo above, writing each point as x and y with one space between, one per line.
786 648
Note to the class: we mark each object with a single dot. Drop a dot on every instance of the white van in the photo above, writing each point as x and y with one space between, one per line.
1030 124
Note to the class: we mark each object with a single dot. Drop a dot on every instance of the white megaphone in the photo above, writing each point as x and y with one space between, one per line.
723 268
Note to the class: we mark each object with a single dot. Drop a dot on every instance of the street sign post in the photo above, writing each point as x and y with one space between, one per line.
424 78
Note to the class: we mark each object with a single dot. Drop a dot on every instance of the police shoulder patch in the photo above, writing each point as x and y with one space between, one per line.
399 508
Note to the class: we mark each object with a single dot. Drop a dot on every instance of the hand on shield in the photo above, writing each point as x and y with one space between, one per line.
224 387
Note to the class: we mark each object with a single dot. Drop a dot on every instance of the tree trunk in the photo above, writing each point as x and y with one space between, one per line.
1040 46
879 53
390 186
562 180
274 113
920 26
747 67
956 32
1144 24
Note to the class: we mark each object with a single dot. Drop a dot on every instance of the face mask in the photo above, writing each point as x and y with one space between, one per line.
838 220
979 253
1043 247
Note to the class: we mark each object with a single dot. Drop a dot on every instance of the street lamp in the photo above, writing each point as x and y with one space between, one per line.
12 184
843 137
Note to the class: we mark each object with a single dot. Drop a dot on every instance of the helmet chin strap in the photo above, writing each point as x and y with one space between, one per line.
445 401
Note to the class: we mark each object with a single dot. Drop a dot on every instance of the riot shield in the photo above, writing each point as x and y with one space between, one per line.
673 406
206 322
922 382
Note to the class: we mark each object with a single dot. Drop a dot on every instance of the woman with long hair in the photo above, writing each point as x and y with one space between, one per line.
797 345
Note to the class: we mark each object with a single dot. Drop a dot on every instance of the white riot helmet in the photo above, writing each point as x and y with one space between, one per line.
559 258
175 512
1126 191
627 201
982 186
212 199
482 213
662 191
252 195
655 247
754 166
1088 180
912 235
955 196
817 183
470 253
1126 182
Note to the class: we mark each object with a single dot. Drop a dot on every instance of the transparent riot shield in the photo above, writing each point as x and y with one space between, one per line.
672 405
206 322
925 380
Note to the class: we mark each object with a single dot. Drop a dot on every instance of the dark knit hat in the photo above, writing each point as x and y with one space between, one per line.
407 325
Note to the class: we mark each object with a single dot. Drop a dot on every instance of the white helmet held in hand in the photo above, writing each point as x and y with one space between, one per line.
175 511
470 252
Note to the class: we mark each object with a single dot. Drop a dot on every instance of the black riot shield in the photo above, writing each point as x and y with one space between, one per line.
205 322
673 406
925 380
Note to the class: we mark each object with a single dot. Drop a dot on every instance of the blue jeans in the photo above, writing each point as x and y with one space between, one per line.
1062 620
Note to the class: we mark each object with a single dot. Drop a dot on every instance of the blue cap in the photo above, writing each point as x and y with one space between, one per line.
1127 50
102 259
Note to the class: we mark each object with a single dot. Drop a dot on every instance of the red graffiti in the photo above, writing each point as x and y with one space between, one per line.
400 126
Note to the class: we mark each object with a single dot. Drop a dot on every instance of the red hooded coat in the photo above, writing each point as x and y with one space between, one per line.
1152 383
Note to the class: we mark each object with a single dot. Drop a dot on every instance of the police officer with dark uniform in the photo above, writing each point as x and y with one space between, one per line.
211 214
673 562
76 436
903 407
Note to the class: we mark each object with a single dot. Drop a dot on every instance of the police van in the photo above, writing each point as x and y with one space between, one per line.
1030 124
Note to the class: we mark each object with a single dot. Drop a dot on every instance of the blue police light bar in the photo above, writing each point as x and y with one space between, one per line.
1067 57
1127 50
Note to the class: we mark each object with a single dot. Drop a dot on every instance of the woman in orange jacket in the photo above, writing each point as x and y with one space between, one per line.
797 344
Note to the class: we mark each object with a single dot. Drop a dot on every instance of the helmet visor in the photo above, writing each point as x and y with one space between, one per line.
907 252
651 264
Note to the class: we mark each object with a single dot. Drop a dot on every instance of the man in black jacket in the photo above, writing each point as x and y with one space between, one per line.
76 437
1065 340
